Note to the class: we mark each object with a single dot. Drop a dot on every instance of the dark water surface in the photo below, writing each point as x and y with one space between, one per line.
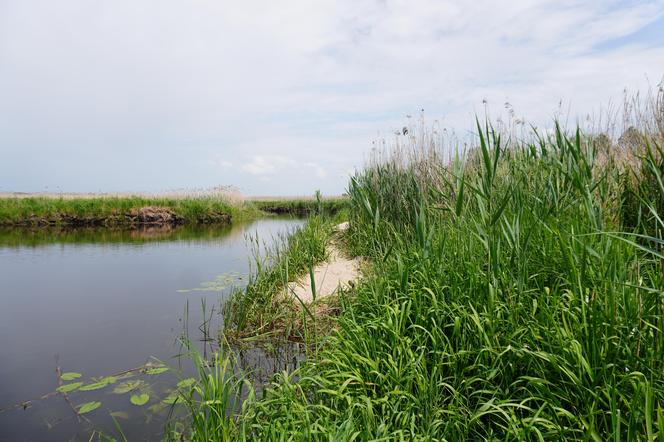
100 302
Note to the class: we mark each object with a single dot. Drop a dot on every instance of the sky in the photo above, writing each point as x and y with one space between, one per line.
283 98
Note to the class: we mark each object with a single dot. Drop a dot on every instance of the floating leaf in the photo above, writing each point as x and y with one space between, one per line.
185 383
120 414
100 384
66 388
139 399
220 283
156 370
172 399
70 376
93 386
158 408
88 407
126 387
109 380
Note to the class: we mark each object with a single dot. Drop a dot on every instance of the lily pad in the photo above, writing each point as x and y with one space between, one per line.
185 383
70 376
93 386
172 399
128 386
100 384
109 379
220 283
88 407
66 388
156 370
139 399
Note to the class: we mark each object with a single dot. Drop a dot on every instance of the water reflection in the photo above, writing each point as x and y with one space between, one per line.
102 301
35 237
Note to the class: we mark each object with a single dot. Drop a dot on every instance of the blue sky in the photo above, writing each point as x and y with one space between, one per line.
282 98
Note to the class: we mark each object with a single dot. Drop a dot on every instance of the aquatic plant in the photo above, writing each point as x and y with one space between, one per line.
507 301
263 309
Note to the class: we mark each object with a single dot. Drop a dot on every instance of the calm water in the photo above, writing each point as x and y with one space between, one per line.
100 302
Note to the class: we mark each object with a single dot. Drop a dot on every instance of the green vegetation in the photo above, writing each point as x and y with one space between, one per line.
262 309
114 211
137 210
212 401
304 206
515 295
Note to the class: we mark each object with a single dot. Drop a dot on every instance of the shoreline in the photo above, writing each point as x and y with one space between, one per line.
114 210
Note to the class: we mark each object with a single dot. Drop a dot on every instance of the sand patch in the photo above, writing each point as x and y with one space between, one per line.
338 271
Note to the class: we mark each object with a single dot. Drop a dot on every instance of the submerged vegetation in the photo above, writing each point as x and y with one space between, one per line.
516 293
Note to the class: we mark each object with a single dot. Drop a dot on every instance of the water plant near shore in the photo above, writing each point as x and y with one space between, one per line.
508 301
263 309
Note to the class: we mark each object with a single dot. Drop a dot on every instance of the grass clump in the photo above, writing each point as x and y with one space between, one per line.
263 308
507 302
213 401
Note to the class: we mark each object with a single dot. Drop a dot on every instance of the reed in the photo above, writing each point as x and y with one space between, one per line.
263 309
516 293
507 303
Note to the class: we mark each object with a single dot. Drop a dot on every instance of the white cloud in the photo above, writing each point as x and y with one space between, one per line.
295 86
219 161
267 164
320 171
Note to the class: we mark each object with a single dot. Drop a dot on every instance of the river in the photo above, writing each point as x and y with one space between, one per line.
99 302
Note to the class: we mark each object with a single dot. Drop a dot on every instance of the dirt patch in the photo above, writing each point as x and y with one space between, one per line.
155 215
143 216
337 272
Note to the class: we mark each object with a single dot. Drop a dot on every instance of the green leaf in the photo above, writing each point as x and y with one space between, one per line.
126 387
70 376
66 388
103 382
156 370
139 399
185 383
172 399
88 407
109 380
93 386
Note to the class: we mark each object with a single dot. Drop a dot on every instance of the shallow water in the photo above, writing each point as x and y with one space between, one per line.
100 302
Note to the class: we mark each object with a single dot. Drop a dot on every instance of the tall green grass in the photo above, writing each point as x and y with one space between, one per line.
506 303
264 309
213 401
516 293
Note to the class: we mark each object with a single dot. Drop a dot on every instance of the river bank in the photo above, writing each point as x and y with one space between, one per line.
88 210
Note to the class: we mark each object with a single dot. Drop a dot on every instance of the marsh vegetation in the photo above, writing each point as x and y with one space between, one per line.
516 292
